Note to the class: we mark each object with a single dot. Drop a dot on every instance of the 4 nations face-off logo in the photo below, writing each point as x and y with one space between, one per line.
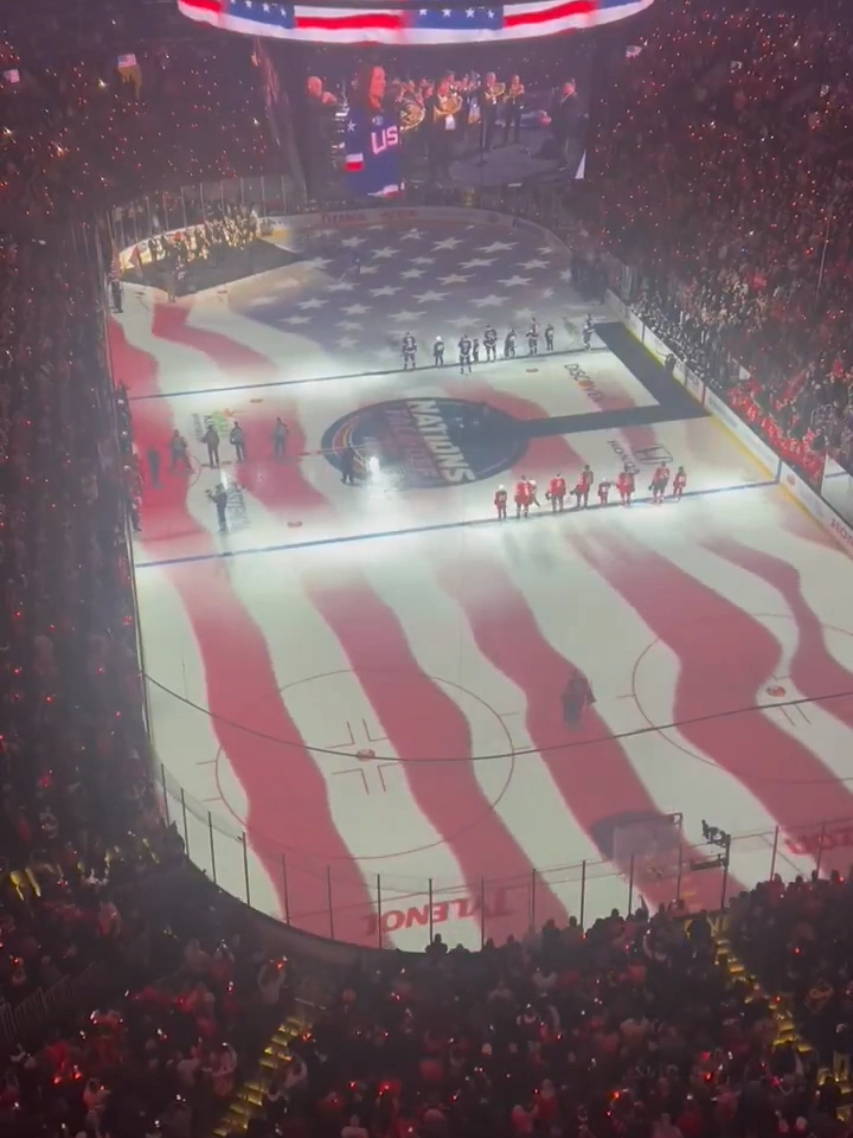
426 444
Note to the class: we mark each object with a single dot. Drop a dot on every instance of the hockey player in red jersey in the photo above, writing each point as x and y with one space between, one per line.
660 481
500 502
625 485
603 492
584 485
522 497
557 493
678 483
534 497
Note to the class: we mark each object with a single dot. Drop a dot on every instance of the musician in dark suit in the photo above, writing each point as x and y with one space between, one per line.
314 133
566 124
441 120
488 97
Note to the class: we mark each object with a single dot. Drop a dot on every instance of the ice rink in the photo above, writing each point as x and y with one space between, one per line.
367 681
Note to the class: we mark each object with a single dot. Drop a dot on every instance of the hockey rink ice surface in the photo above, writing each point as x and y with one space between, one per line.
368 680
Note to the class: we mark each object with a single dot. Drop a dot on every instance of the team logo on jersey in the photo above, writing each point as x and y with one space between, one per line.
425 444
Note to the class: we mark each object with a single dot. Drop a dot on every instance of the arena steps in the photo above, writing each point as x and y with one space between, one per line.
787 1031
247 1100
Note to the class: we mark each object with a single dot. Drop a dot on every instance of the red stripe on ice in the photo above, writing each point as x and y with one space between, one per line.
596 781
727 658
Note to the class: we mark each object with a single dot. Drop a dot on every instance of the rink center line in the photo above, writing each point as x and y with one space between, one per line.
443 369
438 527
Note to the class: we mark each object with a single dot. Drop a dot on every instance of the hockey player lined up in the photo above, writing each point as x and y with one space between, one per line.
603 492
583 488
500 502
490 343
438 352
509 345
475 350
533 339
587 332
626 486
557 493
464 355
549 337
660 481
679 483
410 347
523 498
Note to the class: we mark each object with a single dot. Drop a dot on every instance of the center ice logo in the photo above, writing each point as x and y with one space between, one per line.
426 443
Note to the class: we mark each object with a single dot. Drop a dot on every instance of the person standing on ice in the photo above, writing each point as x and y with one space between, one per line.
679 483
577 695
625 485
587 332
211 441
237 438
500 502
410 348
279 439
438 352
557 493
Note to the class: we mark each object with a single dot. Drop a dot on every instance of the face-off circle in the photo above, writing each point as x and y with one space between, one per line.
426 444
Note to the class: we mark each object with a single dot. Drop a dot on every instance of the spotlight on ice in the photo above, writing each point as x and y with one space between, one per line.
373 464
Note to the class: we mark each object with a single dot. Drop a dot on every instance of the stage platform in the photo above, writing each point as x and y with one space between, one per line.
359 688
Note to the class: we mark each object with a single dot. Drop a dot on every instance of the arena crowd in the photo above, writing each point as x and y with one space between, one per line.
724 175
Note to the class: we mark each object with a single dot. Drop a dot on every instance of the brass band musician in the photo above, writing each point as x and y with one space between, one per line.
513 108
489 96
442 118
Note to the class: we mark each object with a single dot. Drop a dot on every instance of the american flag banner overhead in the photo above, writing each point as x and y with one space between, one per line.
409 24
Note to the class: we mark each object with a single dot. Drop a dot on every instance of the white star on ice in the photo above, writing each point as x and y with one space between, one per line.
385 252
430 297
477 263
423 260
545 250
347 342
340 286
297 320
406 317
352 242
386 290
565 274
355 309
453 278
322 234
515 282
313 302
546 293
496 247
469 12
535 264
411 235
318 263
412 274
490 301
445 12
447 243
349 325
365 269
